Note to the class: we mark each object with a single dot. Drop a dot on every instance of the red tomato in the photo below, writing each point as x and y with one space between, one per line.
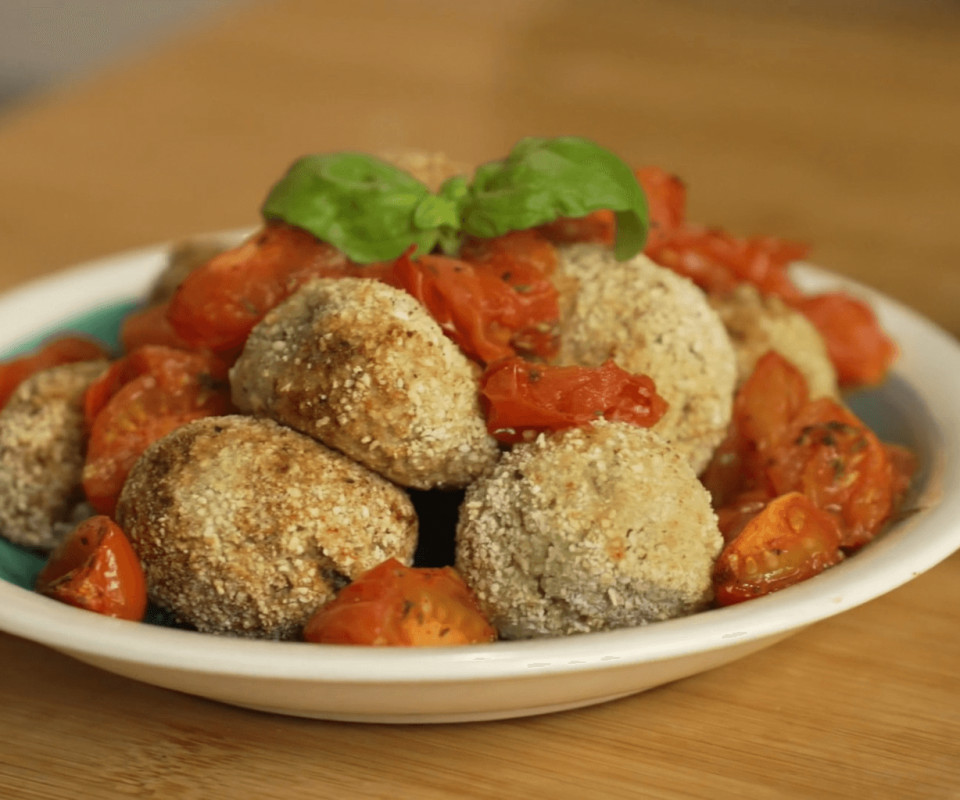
829 455
516 249
150 326
763 409
402 606
599 227
789 541
490 311
717 261
63 350
666 203
859 349
141 399
218 304
95 568
523 399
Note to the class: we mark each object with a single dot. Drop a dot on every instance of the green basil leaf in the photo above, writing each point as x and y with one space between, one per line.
369 209
544 179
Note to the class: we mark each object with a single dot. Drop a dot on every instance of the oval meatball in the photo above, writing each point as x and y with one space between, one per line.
757 324
589 529
362 367
42 443
246 527
653 322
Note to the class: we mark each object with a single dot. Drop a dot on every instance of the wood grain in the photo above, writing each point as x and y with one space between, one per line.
835 123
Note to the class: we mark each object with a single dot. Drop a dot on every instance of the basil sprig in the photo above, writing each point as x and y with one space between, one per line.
543 179
369 209
373 211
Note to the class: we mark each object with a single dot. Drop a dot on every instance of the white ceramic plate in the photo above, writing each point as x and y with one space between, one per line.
917 407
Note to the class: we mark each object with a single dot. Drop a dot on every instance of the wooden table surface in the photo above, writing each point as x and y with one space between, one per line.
837 123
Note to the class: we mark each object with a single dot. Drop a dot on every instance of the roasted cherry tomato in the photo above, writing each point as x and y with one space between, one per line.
516 249
95 568
401 606
150 326
139 400
829 455
789 541
666 203
599 227
63 350
522 399
491 311
763 409
218 304
859 349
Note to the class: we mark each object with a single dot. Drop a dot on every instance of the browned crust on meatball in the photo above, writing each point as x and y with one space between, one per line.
589 529
651 321
246 527
42 448
362 367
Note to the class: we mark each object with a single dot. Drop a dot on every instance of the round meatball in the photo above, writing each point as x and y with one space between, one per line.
651 321
757 324
431 169
362 367
42 443
246 527
586 530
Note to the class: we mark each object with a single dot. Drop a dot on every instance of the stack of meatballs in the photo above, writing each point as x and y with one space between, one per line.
351 395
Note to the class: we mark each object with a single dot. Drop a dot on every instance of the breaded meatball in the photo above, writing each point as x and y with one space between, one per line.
183 259
365 369
431 169
246 527
585 530
653 322
757 324
42 445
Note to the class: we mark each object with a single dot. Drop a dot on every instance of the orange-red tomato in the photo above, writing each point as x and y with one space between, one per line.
859 349
140 399
401 606
763 409
599 227
63 350
829 455
95 568
522 399
219 303
789 541
666 203
504 254
150 326
491 311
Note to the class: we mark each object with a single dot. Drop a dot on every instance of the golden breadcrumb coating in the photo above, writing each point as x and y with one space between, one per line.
42 448
246 527
365 369
585 530
757 324
651 321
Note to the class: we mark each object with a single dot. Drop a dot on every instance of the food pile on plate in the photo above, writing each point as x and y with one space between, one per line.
637 418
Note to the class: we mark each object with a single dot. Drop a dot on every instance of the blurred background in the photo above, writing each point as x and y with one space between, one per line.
830 121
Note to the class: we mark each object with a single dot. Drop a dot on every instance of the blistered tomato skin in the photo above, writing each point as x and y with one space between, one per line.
399 606
789 541
522 399
96 569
